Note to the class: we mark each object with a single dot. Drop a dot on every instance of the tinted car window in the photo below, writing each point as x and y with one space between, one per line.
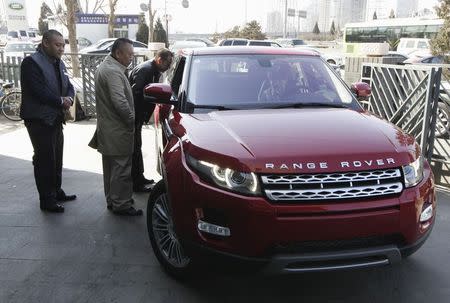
249 81
13 34
259 43
239 42
298 42
226 43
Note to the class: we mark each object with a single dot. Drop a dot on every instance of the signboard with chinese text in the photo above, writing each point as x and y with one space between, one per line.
103 19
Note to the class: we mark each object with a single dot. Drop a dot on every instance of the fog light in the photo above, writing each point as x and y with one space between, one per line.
213 229
426 214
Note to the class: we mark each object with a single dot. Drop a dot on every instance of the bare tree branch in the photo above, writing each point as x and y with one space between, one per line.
99 5
112 17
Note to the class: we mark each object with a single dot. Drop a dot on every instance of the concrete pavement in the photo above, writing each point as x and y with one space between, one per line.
89 255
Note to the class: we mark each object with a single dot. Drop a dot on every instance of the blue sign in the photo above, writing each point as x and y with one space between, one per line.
103 19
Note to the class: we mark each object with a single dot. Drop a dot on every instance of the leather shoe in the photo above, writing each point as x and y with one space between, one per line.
131 211
66 198
144 188
62 197
110 207
147 181
53 208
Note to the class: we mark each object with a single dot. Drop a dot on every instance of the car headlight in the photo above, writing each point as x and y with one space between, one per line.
413 172
241 182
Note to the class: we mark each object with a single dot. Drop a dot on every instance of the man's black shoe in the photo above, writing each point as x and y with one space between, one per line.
131 211
110 207
62 197
144 188
66 198
147 181
53 208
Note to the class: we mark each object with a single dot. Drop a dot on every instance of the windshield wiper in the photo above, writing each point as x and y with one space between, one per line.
308 104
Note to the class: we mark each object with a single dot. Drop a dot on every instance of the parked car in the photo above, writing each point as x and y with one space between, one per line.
17 49
411 46
81 44
291 42
207 42
247 42
103 46
268 158
177 46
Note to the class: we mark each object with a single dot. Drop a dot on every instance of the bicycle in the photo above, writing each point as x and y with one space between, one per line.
10 101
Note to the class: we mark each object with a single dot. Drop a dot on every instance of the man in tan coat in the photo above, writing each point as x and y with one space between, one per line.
114 136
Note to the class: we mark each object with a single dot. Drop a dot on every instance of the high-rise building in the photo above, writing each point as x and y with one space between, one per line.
406 8
341 12
383 8
274 25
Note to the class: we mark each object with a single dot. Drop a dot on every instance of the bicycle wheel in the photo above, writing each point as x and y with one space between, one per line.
11 105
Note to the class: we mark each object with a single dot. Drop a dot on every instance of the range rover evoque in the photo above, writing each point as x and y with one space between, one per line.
267 156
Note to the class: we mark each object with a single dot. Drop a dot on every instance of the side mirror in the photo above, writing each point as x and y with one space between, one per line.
362 91
159 93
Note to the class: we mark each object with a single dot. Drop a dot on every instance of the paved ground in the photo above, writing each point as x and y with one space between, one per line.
89 255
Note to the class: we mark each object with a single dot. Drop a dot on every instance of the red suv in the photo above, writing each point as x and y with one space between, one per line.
267 156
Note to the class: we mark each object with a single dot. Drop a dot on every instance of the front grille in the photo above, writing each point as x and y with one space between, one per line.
336 245
332 186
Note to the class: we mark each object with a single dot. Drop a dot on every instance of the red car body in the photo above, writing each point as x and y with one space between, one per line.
295 234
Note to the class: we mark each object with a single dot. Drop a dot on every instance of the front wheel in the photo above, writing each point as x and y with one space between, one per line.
11 105
165 242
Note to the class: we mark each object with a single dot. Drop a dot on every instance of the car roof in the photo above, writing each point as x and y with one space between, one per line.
251 50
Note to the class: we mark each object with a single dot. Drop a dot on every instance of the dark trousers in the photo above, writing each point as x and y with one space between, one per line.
137 166
48 143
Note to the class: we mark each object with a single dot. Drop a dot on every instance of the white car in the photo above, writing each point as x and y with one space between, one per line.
18 49
103 46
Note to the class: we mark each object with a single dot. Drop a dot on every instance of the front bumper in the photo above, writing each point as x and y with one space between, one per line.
259 228
315 262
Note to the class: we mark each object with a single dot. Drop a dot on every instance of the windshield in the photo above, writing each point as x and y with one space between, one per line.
25 47
264 81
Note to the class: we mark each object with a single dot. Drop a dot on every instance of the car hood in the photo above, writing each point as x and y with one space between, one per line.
297 140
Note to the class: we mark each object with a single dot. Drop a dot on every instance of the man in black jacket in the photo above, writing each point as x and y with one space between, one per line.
142 75
46 93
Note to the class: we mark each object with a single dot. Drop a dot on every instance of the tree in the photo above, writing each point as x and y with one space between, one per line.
332 29
151 18
392 14
45 12
252 30
71 27
112 17
98 5
316 29
235 32
159 34
440 45
374 15
142 32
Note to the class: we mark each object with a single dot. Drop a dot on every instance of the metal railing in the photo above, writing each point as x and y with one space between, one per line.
84 84
417 99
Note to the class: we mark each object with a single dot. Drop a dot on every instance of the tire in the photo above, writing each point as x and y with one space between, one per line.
11 105
165 243
443 120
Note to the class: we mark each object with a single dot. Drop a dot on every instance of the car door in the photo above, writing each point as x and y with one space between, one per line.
163 115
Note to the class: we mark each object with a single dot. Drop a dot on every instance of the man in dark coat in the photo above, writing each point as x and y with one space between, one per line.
142 75
46 93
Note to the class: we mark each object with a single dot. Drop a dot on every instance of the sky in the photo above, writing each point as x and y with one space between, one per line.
202 16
